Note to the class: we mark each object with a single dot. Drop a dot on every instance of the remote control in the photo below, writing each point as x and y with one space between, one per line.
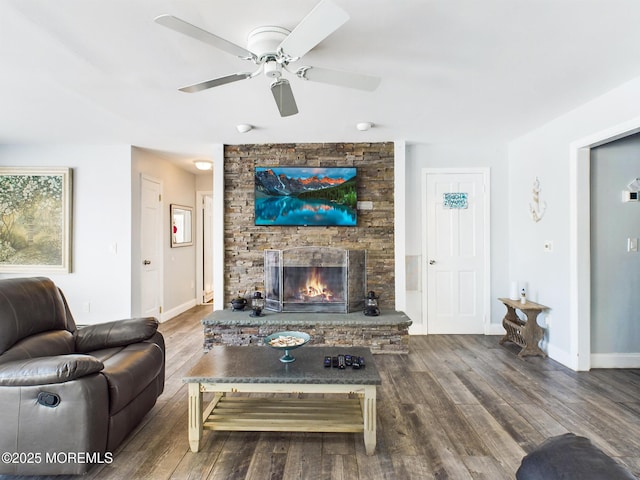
361 362
341 363
334 362
327 361
348 360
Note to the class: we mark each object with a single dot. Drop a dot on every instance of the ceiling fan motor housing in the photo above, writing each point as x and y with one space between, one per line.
264 41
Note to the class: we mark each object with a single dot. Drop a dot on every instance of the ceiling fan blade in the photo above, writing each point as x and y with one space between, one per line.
337 77
180 26
216 82
322 21
283 96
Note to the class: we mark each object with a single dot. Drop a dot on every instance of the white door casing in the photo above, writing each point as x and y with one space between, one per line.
151 291
456 252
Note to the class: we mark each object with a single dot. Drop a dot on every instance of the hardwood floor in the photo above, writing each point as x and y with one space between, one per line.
457 407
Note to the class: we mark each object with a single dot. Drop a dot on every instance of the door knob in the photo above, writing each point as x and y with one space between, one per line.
431 262
147 262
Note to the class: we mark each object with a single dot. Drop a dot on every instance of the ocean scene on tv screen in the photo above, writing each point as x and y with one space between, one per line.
305 196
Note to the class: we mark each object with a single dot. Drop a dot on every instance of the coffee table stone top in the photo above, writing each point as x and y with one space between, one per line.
228 364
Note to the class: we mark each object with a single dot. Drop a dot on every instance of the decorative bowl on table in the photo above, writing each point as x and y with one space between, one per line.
287 341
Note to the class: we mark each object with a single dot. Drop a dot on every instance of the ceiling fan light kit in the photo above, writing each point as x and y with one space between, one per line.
273 48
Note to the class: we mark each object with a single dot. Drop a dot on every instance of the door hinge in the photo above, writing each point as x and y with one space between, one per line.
159 197
160 309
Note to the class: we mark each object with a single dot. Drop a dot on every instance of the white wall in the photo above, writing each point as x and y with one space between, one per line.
178 187
420 156
547 153
99 287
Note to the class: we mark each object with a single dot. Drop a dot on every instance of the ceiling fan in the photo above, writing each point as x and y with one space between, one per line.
274 48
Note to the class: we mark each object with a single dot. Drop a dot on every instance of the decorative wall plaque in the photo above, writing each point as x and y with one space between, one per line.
455 200
538 207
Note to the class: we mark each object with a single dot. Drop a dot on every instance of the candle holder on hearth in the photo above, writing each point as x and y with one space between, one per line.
257 305
371 308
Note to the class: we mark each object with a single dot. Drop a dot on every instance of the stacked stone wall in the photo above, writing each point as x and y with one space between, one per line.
245 242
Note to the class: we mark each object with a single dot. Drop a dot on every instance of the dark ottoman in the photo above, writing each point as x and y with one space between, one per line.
568 457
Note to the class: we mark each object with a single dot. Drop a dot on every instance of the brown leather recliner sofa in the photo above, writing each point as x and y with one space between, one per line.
69 396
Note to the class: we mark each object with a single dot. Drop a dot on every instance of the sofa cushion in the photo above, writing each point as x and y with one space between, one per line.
114 334
45 344
130 370
569 457
48 370
29 306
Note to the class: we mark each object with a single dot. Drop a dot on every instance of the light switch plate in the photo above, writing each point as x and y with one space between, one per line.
632 244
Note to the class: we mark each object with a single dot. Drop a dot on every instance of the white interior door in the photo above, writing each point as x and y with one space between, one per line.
456 252
207 243
151 247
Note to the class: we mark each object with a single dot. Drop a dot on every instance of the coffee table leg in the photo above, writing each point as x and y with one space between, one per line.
195 416
369 417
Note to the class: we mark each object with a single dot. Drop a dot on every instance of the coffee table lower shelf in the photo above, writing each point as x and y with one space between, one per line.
356 412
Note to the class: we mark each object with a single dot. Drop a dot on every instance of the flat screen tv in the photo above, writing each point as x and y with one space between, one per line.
305 196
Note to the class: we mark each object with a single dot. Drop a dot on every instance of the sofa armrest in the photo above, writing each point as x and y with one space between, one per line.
114 334
47 370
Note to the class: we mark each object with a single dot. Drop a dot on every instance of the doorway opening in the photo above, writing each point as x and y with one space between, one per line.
204 247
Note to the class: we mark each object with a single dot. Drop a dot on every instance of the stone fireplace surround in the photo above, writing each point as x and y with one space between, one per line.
245 244
329 323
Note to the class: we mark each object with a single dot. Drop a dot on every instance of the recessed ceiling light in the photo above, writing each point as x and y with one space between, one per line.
203 164
244 127
364 126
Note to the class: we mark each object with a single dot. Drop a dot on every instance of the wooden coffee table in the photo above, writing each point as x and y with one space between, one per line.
247 370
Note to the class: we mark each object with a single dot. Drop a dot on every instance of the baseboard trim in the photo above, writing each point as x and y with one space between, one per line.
615 360
174 312
495 329
561 356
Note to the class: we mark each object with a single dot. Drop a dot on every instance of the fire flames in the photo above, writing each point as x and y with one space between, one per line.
315 289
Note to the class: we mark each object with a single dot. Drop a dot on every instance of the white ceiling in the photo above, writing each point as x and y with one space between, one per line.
96 71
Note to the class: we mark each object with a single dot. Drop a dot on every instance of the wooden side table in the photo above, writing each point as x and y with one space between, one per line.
526 334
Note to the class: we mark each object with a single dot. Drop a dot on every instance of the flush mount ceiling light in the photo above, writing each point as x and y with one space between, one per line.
364 126
244 127
203 164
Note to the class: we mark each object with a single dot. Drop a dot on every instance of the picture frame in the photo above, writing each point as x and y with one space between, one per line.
35 220
181 225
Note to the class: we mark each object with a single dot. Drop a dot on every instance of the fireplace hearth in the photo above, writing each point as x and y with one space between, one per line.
315 279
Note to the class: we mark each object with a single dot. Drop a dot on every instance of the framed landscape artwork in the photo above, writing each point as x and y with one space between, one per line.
35 220
307 196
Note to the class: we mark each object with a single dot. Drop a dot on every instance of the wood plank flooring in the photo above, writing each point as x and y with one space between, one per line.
457 407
